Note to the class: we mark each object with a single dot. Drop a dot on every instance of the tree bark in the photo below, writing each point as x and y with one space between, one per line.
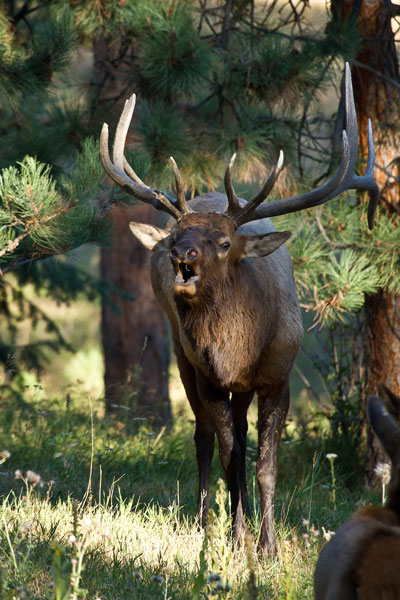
135 339
136 347
376 97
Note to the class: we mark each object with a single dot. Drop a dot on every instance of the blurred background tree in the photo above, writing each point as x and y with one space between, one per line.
212 78
376 80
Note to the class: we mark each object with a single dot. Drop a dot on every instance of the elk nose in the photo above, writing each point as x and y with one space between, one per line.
189 253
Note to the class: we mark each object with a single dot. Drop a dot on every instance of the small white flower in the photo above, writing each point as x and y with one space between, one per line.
86 524
331 456
33 477
72 539
327 535
305 523
18 474
383 471
314 532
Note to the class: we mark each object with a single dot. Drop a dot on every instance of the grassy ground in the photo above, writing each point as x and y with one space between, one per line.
113 513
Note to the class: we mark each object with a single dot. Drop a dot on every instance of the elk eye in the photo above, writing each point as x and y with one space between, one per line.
225 245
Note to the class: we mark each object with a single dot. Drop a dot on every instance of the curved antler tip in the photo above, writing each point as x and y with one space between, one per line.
172 161
104 134
280 159
131 100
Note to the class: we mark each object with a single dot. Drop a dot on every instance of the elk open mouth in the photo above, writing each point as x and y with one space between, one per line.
186 275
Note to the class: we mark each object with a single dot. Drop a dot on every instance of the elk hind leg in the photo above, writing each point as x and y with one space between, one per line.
273 405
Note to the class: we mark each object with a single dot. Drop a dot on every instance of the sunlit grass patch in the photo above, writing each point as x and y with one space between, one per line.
108 506
121 549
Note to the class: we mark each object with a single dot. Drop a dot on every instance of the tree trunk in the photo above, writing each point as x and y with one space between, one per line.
376 65
136 348
135 341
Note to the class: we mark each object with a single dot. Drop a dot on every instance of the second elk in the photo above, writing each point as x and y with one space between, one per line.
361 562
223 277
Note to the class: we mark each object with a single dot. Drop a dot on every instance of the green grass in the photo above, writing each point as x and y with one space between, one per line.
114 513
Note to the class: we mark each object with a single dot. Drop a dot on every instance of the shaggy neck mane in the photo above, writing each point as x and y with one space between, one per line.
228 326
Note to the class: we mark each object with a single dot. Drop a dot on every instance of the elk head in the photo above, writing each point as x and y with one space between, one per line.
200 239
202 248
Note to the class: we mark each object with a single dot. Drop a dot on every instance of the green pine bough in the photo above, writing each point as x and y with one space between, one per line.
40 217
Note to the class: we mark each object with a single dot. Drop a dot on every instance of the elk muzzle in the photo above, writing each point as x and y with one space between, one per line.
185 260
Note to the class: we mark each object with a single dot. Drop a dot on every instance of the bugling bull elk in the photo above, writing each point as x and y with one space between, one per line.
225 281
362 559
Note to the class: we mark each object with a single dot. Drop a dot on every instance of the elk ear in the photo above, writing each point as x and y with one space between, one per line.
384 426
391 401
152 237
262 245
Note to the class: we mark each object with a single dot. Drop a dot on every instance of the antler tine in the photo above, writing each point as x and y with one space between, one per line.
344 178
374 190
249 208
117 176
180 194
351 118
121 133
233 200
131 184
129 171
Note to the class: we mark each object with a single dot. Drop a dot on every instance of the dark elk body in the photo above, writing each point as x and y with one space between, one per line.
225 281
231 317
362 560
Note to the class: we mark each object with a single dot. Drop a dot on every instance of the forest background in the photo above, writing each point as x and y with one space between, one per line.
212 78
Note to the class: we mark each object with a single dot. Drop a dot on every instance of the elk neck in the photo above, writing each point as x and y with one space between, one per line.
230 323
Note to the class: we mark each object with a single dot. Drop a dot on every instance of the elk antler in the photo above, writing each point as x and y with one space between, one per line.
120 171
344 178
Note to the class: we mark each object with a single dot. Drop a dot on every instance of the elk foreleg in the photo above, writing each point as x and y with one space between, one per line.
273 405
204 433
204 440
240 405
216 403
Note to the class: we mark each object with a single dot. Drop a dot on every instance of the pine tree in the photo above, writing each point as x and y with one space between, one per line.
377 82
